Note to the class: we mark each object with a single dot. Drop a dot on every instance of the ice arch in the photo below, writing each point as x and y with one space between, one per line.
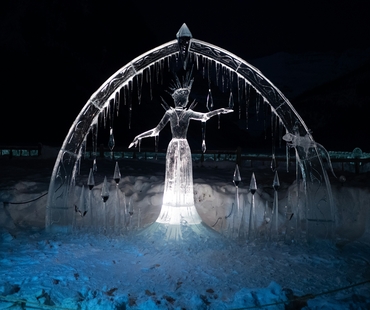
185 49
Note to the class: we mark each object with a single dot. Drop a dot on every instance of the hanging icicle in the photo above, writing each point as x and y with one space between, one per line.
239 85
231 100
117 101
156 141
111 112
209 103
149 72
111 142
281 128
217 64
204 137
273 164
94 136
139 82
125 94
258 104
247 99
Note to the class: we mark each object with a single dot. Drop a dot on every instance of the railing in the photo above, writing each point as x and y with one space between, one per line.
20 150
232 155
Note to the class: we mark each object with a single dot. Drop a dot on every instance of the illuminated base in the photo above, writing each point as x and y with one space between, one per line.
164 233
184 215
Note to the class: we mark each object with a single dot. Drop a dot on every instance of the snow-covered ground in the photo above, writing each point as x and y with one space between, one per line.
91 271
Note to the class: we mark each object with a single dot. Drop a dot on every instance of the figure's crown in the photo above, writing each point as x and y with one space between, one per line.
181 88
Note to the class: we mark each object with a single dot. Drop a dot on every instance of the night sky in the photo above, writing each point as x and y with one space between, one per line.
55 54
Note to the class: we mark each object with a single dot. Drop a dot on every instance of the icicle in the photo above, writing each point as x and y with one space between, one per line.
156 71
217 72
209 62
95 165
139 86
162 70
117 101
125 95
111 112
94 139
281 127
231 100
273 164
83 148
258 103
197 61
247 97
111 142
204 137
222 79
264 121
139 142
150 82
240 88
209 103
116 174
156 141
103 116
219 120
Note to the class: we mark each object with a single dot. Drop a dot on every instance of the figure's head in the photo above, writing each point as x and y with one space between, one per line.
181 91
181 97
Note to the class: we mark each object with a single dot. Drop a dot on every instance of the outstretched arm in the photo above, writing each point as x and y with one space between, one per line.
152 132
206 116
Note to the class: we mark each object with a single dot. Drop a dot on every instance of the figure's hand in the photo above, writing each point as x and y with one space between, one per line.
133 143
225 111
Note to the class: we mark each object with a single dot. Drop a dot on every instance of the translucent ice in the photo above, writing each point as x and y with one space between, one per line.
178 198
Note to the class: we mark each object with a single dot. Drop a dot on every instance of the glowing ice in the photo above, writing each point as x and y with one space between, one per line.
306 143
178 197
226 71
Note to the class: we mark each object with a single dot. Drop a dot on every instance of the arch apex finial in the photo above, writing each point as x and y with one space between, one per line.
184 32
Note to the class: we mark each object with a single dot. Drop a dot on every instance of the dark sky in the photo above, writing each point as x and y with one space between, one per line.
55 54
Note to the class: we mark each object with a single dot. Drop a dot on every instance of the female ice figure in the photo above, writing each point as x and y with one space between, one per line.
178 198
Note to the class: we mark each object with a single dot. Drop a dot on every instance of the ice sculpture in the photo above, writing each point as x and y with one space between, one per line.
306 143
178 197
231 74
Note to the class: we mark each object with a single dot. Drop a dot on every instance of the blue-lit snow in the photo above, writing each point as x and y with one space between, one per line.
86 271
